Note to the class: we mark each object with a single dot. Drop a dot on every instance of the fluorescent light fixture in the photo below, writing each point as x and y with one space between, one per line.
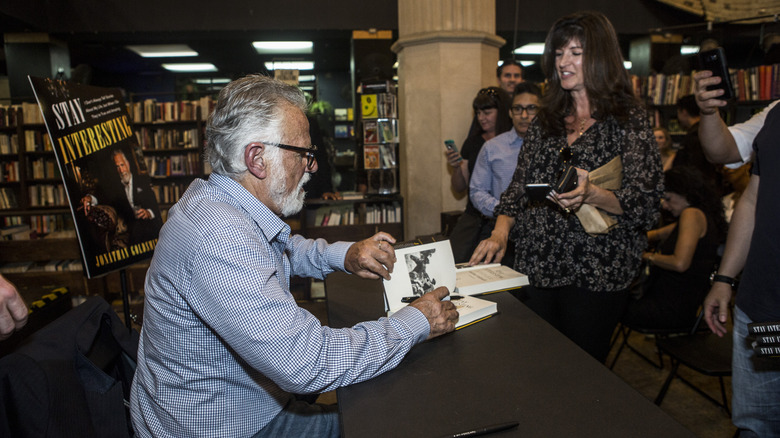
163 50
190 67
283 47
525 63
307 87
530 49
628 65
290 65
395 65
212 81
689 50
307 78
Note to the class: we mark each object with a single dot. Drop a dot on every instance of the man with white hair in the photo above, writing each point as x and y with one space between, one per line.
224 346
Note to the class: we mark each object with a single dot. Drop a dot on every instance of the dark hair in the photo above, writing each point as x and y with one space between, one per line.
688 104
691 184
491 97
527 87
508 61
606 80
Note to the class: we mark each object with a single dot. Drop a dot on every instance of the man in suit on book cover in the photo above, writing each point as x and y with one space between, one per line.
224 346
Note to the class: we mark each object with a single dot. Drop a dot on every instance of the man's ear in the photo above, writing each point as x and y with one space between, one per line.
255 163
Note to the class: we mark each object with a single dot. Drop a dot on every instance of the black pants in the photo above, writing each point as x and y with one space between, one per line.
586 317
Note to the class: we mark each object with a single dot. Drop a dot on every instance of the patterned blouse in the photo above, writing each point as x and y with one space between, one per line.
552 248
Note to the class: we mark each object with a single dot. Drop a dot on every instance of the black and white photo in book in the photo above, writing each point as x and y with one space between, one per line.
424 268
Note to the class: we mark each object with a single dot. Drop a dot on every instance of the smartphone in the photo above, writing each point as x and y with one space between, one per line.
715 61
450 145
538 192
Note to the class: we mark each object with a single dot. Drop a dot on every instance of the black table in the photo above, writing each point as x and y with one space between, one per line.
511 367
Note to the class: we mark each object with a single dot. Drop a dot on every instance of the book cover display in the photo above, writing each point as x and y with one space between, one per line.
379 121
103 171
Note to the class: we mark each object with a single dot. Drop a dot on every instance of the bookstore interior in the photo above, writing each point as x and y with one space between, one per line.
348 67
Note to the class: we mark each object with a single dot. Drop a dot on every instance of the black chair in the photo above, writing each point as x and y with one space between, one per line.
624 330
703 352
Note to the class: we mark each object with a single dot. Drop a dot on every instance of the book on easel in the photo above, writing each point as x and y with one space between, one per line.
424 267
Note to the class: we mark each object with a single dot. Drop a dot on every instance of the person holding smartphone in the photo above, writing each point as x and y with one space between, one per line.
751 250
589 116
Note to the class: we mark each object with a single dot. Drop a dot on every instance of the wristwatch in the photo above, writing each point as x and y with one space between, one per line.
731 281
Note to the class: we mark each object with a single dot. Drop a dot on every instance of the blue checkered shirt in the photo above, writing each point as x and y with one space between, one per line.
223 343
493 171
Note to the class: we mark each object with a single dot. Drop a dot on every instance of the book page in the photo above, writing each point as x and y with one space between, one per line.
420 269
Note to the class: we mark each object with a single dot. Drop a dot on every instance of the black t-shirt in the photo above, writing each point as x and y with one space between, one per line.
759 289
469 151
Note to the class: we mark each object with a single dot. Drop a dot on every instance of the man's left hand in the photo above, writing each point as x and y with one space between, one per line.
372 258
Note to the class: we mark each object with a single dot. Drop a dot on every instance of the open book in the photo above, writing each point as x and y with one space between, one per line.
422 268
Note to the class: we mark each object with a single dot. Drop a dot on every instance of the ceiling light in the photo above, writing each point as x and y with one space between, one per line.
530 49
286 47
163 50
290 65
527 63
307 87
191 67
628 65
212 81
688 50
307 78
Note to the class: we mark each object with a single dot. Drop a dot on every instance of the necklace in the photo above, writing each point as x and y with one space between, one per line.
582 127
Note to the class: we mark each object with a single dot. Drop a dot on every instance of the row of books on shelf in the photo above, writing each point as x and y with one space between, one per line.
36 141
379 156
47 195
174 165
151 111
9 114
43 168
9 171
357 214
750 84
9 144
48 225
8 198
156 138
168 193
47 266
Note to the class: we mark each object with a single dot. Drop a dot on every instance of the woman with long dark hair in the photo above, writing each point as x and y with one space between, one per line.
491 117
685 255
590 120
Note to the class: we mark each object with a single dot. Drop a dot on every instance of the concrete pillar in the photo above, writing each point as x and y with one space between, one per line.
447 50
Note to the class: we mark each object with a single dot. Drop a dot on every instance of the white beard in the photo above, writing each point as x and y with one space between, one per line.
289 204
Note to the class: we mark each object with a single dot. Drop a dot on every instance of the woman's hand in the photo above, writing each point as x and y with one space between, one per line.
490 250
573 200
453 158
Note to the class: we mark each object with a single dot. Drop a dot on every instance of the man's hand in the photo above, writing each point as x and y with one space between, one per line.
441 315
142 213
716 307
13 312
372 258
708 101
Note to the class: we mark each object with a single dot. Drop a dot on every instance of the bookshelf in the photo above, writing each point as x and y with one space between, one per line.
379 129
353 219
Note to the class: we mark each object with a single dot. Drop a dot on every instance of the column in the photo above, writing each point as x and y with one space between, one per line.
447 50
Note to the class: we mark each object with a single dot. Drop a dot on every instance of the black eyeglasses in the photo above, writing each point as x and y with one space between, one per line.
530 109
305 152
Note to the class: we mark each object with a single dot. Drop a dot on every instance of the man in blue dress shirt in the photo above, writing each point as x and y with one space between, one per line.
224 346
497 160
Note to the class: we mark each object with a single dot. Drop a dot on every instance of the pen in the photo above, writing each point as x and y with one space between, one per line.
410 299
484 430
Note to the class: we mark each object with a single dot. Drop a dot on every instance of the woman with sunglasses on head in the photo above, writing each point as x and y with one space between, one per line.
589 119
491 117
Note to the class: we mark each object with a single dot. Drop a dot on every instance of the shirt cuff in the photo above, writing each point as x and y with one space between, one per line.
336 253
416 322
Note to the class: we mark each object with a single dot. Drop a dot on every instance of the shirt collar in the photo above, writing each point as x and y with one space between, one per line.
270 224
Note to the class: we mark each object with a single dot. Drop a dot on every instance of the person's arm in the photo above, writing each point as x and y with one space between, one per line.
716 304
692 226
662 233
717 142
587 193
481 185
492 249
13 312
460 176
371 258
